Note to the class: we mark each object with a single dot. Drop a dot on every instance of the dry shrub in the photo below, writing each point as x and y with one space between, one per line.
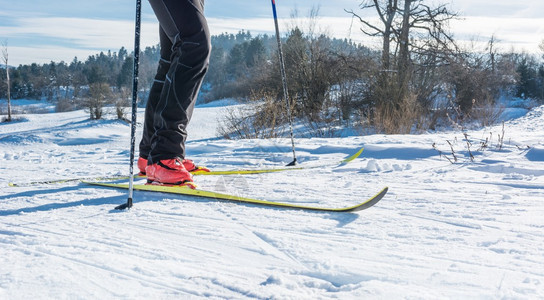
99 95
398 119
123 103
261 119
486 112
64 105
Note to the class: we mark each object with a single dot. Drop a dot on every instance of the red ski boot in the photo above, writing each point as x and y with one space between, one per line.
187 163
191 167
142 164
169 172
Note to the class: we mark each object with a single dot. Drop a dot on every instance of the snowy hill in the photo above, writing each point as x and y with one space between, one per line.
471 229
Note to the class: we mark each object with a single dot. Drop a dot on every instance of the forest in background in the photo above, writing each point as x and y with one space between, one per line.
423 83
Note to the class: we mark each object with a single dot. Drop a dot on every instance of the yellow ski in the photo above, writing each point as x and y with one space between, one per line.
226 172
183 190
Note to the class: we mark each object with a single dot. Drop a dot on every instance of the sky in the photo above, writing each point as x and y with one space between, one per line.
39 31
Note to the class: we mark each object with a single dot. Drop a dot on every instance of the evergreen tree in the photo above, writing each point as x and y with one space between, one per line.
527 86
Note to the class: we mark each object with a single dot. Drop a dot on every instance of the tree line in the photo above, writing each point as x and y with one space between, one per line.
100 80
420 79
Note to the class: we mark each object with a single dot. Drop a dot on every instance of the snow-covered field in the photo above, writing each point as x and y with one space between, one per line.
472 229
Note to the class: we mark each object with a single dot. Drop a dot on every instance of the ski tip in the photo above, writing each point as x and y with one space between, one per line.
352 157
381 193
371 201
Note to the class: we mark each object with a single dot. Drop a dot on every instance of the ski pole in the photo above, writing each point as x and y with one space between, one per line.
134 105
284 82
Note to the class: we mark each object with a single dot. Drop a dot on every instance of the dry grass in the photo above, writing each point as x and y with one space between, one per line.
398 119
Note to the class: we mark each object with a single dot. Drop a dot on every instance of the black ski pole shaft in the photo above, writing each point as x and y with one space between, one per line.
284 82
134 105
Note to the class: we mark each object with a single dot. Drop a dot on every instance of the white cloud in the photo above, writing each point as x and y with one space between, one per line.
339 27
520 33
523 34
72 37
82 37
86 33
21 55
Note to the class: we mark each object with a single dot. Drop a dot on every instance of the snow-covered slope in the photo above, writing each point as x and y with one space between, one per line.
472 229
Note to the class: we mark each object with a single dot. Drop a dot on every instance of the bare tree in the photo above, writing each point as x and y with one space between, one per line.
408 26
99 93
425 45
492 52
387 11
409 29
5 58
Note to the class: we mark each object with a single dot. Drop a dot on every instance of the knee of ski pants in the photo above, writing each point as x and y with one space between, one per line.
193 52
162 68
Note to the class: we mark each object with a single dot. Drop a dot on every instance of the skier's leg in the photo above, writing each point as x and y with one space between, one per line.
184 23
153 99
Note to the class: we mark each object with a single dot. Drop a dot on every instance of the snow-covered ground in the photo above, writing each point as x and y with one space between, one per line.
471 229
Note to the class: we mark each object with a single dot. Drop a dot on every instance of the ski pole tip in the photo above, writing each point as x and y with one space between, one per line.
293 163
124 206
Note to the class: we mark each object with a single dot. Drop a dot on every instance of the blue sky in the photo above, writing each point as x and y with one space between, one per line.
42 31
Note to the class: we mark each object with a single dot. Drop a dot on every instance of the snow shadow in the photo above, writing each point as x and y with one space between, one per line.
85 134
21 139
85 141
400 153
59 205
507 170
535 154
343 219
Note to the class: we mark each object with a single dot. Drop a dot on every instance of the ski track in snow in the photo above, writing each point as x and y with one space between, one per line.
472 229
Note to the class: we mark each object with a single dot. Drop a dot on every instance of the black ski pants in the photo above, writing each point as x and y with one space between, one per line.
185 51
